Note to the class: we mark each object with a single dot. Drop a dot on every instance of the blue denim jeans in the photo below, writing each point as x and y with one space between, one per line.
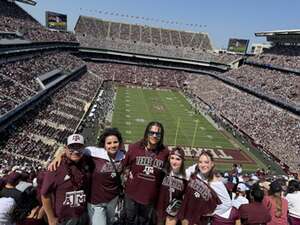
102 213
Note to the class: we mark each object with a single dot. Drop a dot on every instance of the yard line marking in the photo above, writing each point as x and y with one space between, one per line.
128 123
128 116
128 132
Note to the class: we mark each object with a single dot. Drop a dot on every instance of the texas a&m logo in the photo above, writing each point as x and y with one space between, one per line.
76 138
74 198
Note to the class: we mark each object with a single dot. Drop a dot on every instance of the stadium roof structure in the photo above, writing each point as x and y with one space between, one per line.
277 32
281 36
30 2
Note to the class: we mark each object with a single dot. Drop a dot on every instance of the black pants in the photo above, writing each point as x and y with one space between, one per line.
138 214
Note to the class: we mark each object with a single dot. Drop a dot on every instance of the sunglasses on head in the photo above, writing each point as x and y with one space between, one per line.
152 133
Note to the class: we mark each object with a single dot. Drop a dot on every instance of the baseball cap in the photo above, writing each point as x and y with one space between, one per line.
242 187
75 139
254 178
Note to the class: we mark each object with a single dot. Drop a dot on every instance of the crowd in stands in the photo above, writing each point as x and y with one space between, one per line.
18 79
280 56
138 75
50 125
275 129
96 33
14 19
279 85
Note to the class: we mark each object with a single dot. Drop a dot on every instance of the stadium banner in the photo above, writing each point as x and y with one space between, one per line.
238 45
56 21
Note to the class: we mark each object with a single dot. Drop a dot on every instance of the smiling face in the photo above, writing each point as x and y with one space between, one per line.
205 164
74 152
111 145
154 135
175 163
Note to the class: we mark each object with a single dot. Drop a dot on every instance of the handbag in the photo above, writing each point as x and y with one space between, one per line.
119 212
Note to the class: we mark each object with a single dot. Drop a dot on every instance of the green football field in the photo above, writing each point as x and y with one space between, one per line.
134 108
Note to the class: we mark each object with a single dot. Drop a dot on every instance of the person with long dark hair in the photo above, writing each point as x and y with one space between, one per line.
144 163
28 210
172 188
255 212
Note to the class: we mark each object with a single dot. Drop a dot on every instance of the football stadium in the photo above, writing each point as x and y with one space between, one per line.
240 104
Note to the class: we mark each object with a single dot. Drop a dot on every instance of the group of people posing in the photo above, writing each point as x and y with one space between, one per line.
146 185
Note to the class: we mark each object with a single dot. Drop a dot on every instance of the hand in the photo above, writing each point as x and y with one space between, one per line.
53 221
55 162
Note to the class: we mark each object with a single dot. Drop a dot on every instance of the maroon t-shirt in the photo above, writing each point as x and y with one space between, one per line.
172 187
145 174
104 183
254 213
199 200
69 186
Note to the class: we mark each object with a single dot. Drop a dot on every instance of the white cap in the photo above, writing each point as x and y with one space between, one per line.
254 177
242 187
75 139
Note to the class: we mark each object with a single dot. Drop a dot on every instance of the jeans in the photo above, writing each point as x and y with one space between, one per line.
102 213
138 214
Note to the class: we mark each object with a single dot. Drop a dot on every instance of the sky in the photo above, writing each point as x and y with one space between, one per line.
221 19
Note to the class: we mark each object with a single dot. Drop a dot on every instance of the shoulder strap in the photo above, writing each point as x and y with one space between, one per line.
118 176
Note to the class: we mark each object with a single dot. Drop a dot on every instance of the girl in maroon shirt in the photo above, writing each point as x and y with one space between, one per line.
172 188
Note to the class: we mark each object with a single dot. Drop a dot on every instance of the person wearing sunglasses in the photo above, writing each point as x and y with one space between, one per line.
65 190
144 162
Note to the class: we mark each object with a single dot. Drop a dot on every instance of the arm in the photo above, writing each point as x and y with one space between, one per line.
58 156
47 205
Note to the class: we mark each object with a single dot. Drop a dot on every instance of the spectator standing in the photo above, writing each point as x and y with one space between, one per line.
276 204
67 187
172 188
255 212
240 197
144 163
293 198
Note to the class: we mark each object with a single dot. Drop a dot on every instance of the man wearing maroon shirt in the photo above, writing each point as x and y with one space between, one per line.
255 212
144 162
64 191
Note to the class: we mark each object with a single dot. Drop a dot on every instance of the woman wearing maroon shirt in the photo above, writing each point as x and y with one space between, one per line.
144 162
172 188
199 198
105 182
